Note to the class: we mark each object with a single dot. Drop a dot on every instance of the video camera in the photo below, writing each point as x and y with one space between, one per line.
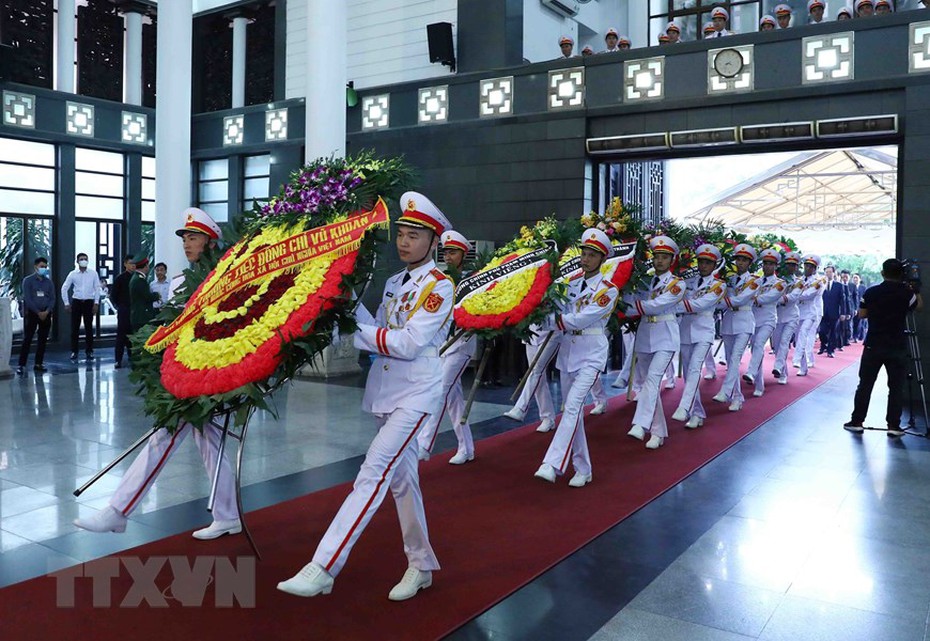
911 277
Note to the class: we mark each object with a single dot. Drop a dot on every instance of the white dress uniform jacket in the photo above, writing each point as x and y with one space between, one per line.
658 327
701 299
787 309
770 292
737 315
583 322
410 326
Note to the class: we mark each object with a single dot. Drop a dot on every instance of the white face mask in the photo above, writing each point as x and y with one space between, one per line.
82 263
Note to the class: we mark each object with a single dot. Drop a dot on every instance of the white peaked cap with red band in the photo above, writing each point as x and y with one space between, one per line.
812 259
746 251
597 240
862 3
708 251
793 257
197 220
782 10
451 239
663 244
566 40
813 4
418 211
771 254
720 12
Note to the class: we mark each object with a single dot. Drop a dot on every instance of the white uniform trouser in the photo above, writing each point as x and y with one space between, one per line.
597 390
536 385
628 338
804 346
781 339
569 436
453 366
709 362
693 356
649 414
391 461
761 336
138 479
734 345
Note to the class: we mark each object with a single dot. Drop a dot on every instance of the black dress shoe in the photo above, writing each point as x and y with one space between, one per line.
830 355
89 356
73 356
19 370
40 368
118 366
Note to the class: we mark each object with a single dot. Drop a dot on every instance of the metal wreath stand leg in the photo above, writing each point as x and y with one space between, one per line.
228 431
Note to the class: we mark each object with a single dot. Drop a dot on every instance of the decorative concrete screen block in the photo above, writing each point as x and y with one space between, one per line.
275 125
19 109
566 88
496 97
644 79
233 130
79 119
828 58
376 112
433 104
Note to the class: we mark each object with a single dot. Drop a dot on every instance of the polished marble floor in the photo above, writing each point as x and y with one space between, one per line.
800 531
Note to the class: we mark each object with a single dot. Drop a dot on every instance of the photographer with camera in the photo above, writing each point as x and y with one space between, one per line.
886 306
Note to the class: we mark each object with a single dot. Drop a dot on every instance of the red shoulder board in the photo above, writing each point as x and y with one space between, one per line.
438 274
433 302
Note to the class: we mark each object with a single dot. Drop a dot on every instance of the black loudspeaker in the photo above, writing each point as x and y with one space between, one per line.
441 49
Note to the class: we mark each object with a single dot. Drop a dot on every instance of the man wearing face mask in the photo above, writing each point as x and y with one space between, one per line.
39 301
80 293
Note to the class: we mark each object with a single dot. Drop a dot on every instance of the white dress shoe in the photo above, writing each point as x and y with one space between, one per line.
619 382
749 378
637 432
670 385
106 520
217 529
461 458
681 414
654 443
580 480
694 422
422 453
721 398
546 472
736 406
546 425
802 373
758 393
310 581
710 376
514 414
412 582
783 380
599 409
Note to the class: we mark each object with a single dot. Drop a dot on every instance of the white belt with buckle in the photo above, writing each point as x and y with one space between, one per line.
705 313
743 308
660 318
586 332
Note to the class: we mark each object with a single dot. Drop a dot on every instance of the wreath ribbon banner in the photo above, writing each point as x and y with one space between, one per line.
483 279
335 239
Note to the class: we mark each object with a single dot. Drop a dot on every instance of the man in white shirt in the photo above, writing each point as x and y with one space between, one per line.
720 17
161 285
80 293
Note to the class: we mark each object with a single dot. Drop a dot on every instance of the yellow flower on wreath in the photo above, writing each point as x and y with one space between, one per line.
506 296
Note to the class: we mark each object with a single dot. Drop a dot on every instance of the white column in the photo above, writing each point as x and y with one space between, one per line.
133 88
172 129
66 24
326 79
238 61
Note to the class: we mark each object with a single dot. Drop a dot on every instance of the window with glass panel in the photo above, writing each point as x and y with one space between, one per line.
99 184
148 189
27 177
213 188
256 174
691 15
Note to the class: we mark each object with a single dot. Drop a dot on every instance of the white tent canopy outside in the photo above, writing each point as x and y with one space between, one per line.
806 196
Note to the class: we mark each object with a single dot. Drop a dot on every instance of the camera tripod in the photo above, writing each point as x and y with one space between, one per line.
915 373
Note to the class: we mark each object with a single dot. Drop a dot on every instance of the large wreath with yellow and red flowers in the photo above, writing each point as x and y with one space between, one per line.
271 303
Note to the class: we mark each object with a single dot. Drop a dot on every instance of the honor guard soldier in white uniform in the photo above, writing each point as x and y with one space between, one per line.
611 39
537 385
719 17
566 44
657 340
454 361
810 308
815 10
787 317
771 290
738 323
696 327
404 387
583 319
199 232
783 15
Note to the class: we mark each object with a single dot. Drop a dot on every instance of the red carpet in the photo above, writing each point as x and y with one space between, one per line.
493 525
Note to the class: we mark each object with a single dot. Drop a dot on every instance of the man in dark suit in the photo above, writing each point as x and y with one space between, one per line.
140 295
835 310
119 296
852 304
859 324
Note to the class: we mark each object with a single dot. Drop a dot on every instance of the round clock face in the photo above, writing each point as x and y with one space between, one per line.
728 63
